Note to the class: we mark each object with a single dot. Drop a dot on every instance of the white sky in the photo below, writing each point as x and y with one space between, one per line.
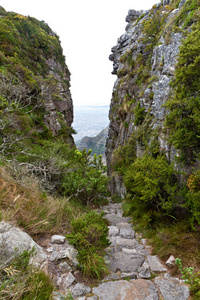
87 30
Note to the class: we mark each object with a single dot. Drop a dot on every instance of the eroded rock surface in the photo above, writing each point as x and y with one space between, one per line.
13 240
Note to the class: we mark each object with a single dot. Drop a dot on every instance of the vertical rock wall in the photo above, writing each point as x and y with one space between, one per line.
144 65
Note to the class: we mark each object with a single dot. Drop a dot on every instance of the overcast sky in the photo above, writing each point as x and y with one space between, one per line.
87 30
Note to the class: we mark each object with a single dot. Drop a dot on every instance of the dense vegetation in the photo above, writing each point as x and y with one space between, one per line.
154 186
55 185
163 190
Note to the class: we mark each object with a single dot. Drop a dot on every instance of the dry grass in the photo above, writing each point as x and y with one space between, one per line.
33 210
179 241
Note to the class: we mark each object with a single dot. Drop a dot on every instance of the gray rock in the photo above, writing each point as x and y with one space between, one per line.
114 221
12 240
182 3
155 264
69 280
113 230
92 298
50 250
71 254
133 15
172 289
166 2
126 263
80 290
170 262
134 289
112 276
64 267
58 239
132 275
126 231
54 256
144 271
126 243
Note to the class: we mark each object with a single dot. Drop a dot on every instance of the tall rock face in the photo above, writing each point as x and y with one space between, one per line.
144 61
33 68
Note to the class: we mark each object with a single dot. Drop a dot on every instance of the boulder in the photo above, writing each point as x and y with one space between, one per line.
171 288
126 263
13 240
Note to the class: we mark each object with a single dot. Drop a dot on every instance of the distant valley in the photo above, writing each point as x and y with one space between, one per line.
89 120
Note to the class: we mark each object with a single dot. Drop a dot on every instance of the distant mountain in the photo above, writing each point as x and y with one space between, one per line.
89 120
97 143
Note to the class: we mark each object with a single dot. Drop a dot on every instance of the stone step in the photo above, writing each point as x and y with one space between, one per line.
140 289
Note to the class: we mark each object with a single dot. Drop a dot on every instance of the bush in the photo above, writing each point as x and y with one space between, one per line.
139 114
193 279
193 197
85 178
184 108
90 237
152 185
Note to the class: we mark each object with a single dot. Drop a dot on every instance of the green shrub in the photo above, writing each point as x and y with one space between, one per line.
139 114
191 278
86 178
152 186
193 197
90 236
184 108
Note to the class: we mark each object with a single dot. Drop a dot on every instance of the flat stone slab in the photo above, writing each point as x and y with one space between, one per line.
113 230
126 243
80 290
134 289
69 280
126 263
126 231
171 289
155 264
114 220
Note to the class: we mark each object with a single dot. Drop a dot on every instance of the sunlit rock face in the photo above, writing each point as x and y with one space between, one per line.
144 61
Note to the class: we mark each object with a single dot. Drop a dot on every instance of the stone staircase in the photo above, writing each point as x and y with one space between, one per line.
134 272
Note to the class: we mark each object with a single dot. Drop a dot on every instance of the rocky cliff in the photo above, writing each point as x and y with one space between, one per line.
36 109
33 68
144 61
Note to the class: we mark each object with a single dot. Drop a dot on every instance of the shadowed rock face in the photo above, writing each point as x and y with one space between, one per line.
64 105
128 90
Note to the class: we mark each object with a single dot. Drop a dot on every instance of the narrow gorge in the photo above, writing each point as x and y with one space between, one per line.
71 227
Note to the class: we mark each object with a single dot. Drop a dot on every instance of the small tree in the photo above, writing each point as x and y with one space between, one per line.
85 178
